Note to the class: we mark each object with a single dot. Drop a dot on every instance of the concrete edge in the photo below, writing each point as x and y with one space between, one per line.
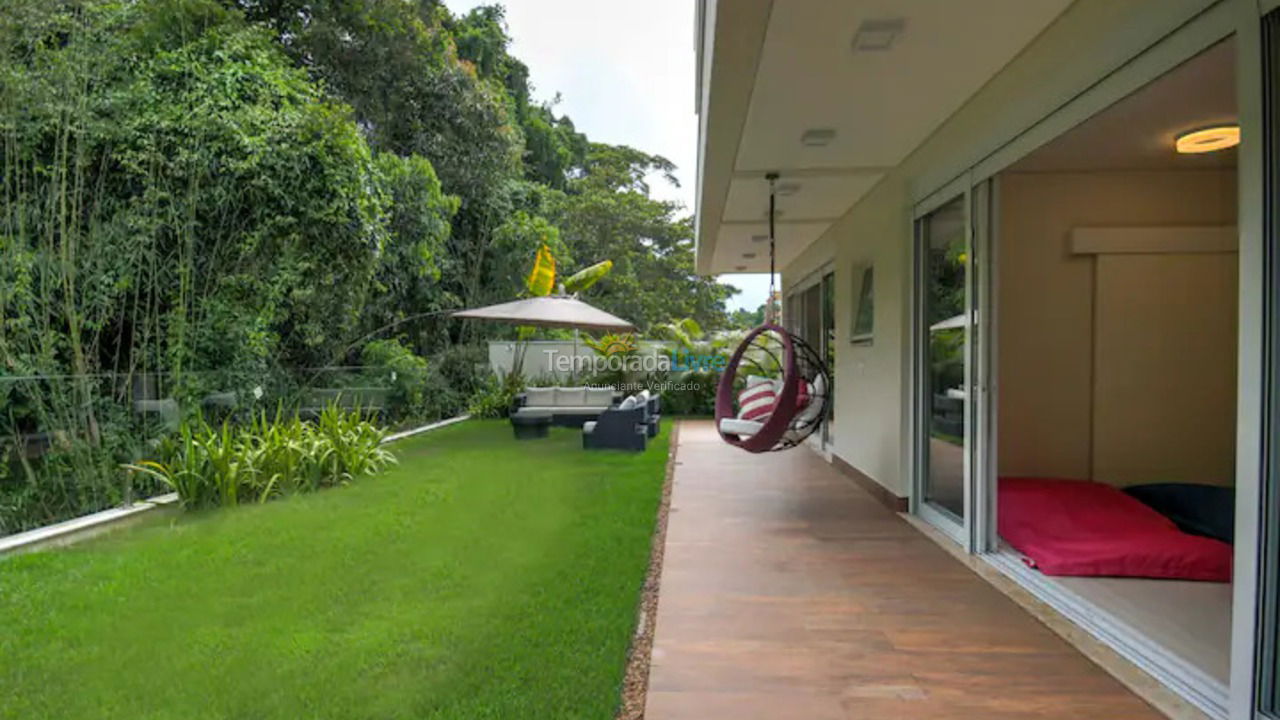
83 527
425 428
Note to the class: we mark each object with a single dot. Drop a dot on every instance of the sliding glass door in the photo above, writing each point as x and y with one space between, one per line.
942 372
951 407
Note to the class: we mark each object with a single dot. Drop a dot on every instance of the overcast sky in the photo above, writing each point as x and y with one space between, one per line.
624 71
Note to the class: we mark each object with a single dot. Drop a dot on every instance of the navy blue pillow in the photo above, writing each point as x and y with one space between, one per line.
1207 510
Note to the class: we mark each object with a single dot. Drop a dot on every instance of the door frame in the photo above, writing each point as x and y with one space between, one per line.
1253 649
965 532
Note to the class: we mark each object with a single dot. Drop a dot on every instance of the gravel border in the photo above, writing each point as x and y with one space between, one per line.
635 684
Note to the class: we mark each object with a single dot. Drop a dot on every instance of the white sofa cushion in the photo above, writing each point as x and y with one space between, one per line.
629 403
743 428
574 396
540 397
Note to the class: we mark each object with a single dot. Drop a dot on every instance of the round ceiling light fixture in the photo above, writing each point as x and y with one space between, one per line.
1207 140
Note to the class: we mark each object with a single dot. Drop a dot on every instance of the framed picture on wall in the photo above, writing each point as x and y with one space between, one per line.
864 309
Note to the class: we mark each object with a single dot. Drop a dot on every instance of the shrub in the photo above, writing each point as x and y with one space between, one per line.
462 372
693 393
75 473
493 400
408 375
269 457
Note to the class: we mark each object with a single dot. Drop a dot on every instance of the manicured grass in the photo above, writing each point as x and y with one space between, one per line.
481 578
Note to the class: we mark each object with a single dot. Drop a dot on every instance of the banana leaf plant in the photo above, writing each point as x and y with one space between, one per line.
541 282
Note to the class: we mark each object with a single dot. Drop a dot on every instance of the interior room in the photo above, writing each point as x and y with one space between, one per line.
1116 322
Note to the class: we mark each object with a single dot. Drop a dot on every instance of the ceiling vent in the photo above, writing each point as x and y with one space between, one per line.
818 137
759 238
740 268
748 256
878 35
787 188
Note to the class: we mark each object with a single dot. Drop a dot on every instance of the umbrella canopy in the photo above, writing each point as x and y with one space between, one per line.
551 311
951 323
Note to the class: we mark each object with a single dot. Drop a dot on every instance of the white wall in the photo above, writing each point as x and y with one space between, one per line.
538 365
869 412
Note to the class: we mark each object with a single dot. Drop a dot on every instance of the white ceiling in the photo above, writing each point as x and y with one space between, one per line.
882 105
822 197
1138 132
739 238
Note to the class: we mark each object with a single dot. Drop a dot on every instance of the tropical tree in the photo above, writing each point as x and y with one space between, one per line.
607 212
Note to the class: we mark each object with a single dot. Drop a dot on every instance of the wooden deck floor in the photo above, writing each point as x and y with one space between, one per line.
787 592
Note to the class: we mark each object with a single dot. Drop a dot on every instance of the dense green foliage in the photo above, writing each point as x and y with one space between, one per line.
694 390
354 602
212 198
271 456
422 81
746 319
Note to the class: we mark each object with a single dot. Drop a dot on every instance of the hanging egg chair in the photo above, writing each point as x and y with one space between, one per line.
775 391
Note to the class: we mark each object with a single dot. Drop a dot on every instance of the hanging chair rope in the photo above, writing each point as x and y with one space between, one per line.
773 202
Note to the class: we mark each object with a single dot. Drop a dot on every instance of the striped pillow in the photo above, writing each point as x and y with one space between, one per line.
756 401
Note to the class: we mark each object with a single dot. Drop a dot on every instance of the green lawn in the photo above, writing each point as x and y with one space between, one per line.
481 578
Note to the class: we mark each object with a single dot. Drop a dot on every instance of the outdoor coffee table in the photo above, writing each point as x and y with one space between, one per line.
531 425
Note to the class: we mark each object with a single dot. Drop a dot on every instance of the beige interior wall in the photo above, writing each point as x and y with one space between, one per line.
1091 39
1165 368
1047 303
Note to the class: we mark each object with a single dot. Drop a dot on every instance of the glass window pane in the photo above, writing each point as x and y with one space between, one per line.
945 264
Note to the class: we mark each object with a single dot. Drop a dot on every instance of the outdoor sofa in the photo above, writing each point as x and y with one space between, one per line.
569 406
625 427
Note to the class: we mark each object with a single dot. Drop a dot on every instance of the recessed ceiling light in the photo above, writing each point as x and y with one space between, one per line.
787 188
748 256
818 137
878 35
1209 139
740 268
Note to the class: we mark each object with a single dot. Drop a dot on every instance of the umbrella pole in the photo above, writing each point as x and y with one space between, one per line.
573 367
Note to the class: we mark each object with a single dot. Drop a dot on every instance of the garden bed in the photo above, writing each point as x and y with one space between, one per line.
478 578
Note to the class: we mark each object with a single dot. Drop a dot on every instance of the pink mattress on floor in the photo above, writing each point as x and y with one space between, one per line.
1077 527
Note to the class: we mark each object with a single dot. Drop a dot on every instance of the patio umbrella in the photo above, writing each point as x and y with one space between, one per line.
551 311
951 323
